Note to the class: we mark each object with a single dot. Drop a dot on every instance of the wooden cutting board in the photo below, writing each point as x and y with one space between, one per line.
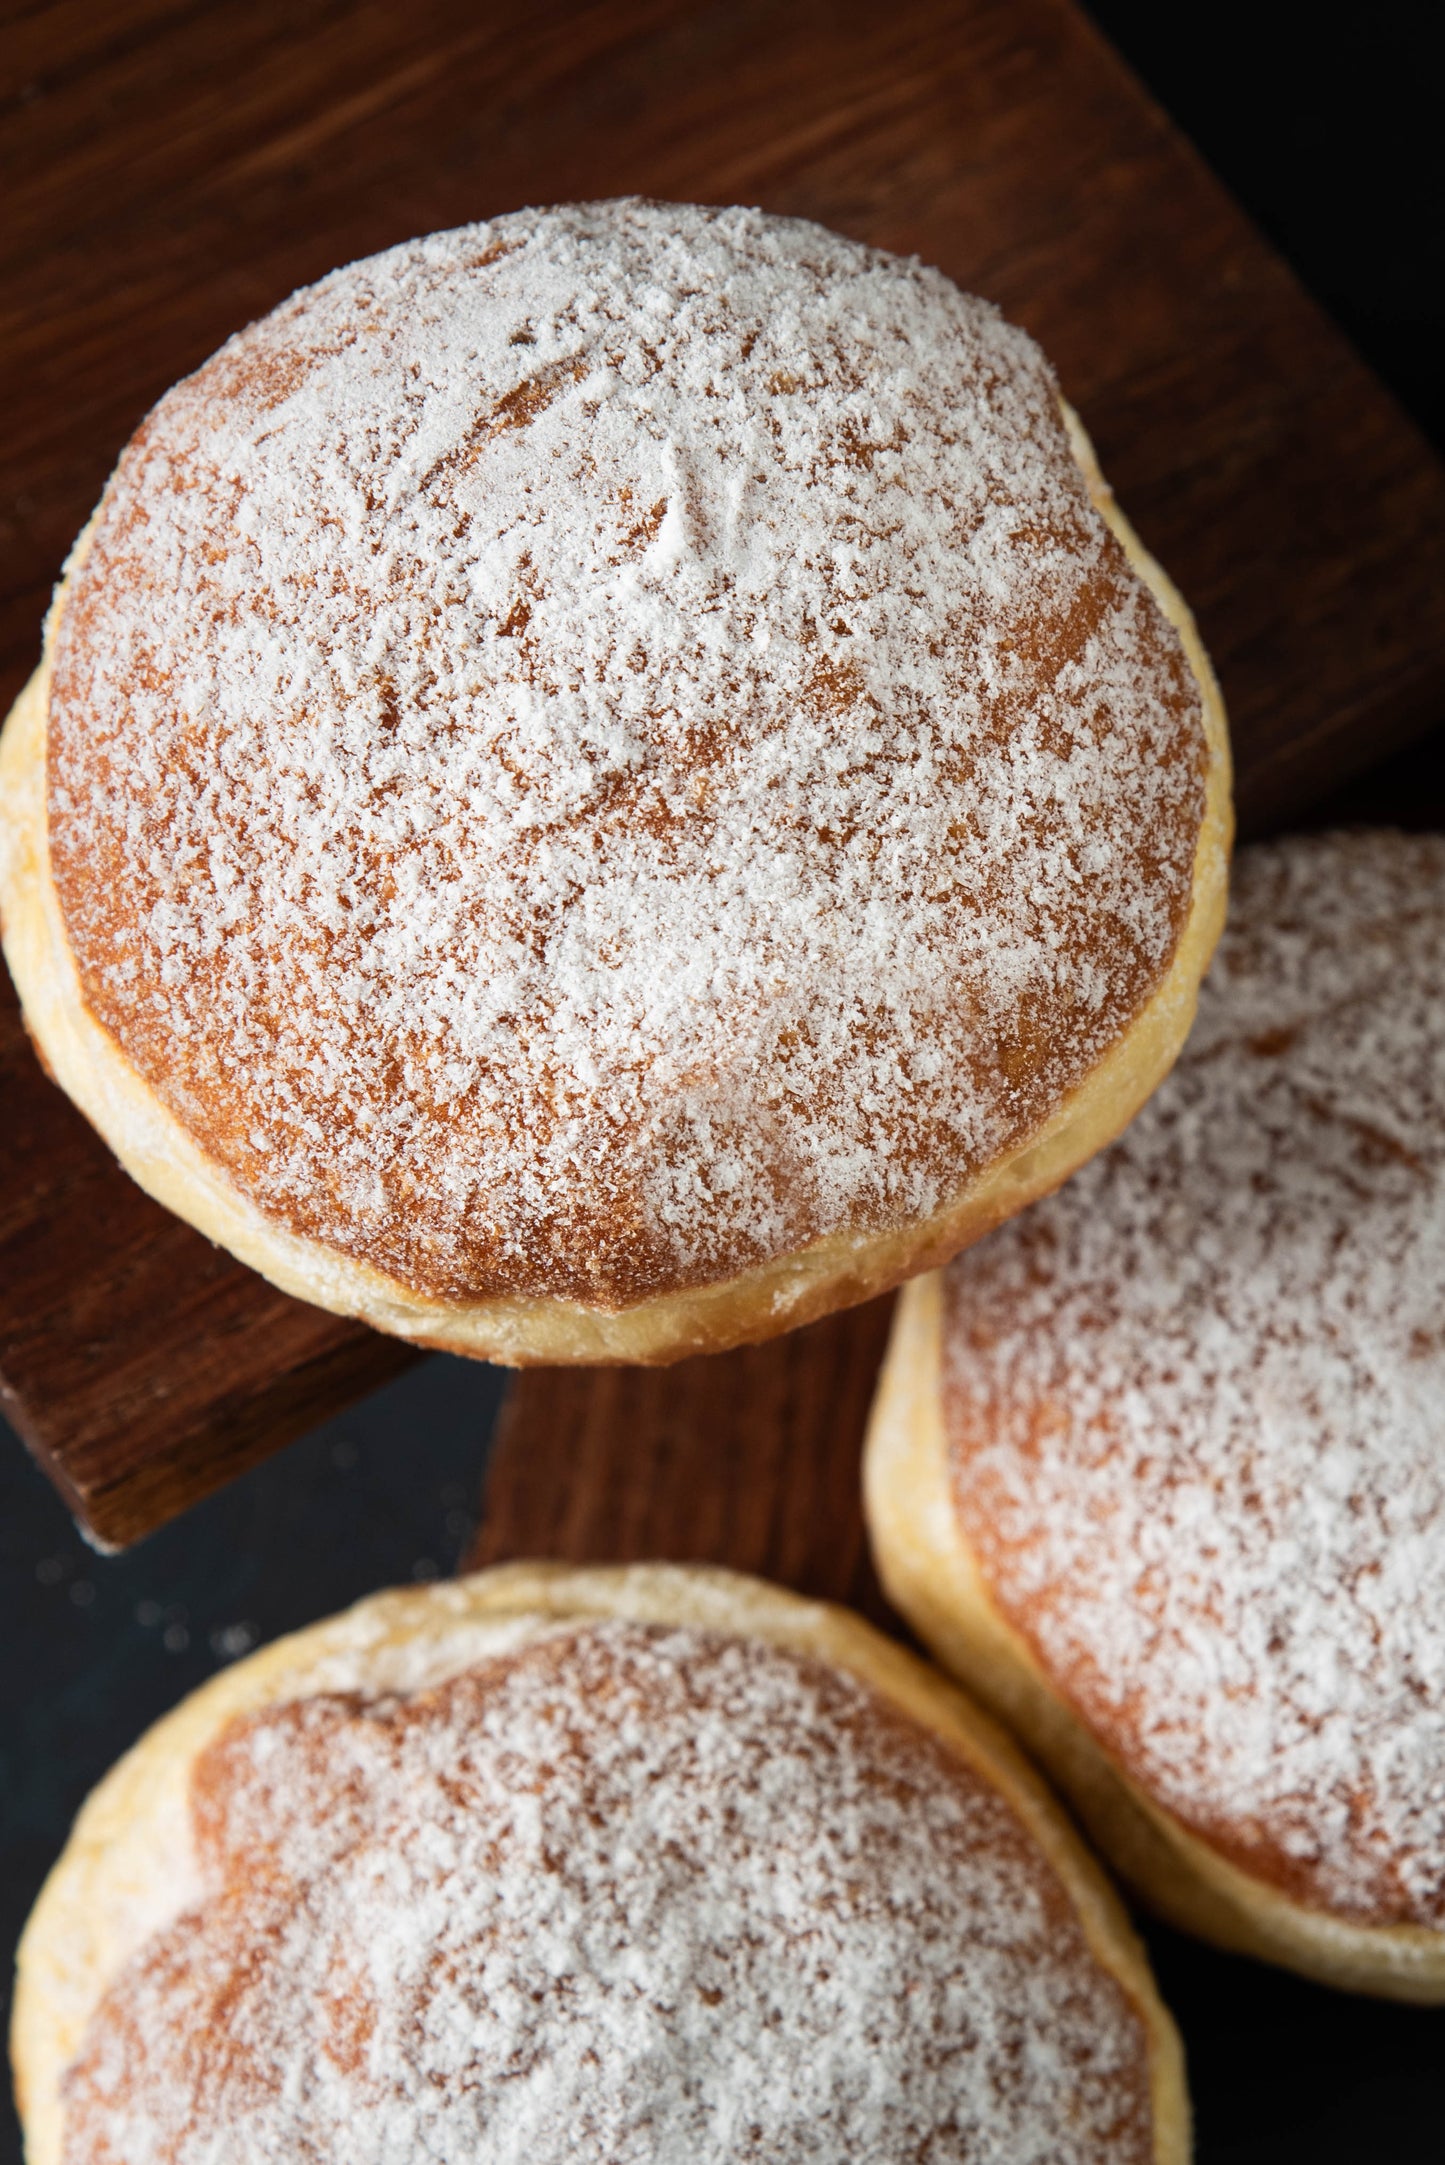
169 173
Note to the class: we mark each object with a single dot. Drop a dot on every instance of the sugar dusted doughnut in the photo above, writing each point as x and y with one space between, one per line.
1159 1469
610 781
551 1865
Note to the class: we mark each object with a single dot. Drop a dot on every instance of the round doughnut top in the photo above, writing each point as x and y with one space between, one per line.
591 751
1194 1400
628 1893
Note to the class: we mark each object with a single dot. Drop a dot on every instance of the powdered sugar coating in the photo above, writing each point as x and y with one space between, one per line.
1195 1400
593 750
633 1893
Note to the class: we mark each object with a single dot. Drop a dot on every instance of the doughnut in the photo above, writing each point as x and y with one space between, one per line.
608 782
1158 1469
567 1865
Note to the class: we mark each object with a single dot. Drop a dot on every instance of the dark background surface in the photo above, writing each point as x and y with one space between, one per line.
1333 145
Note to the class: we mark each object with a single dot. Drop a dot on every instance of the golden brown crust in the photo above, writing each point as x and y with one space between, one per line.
932 1573
564 927
126 1870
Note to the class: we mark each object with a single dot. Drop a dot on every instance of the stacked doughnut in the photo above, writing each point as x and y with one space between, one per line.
1160 1468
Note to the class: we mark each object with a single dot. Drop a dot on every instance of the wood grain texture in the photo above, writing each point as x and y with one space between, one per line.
747 1458
173 168
142 1365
